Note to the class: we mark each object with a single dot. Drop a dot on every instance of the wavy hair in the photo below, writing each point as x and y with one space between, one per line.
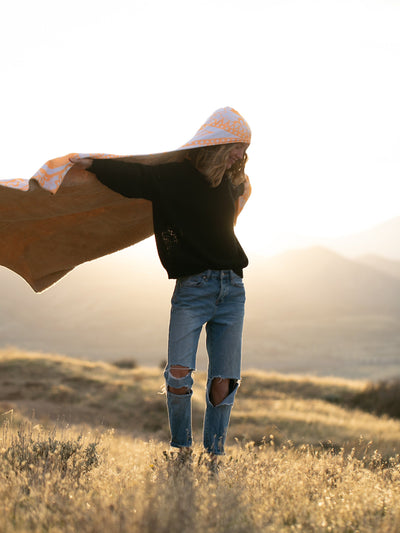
209 160
212 161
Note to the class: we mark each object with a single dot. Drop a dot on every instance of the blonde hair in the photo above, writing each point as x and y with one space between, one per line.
209 160
212 161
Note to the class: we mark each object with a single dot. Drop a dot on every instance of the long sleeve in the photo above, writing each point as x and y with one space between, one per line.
133 180
192 221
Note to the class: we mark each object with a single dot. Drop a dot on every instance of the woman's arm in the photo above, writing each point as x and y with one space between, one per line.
133 180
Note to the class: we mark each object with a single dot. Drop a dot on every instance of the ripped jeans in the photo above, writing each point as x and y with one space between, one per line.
215 298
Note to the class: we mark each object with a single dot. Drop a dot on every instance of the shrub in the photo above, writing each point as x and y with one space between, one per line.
382 398
127 363
69 457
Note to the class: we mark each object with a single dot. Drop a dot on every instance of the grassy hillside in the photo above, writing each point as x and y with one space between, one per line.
302 410
83 447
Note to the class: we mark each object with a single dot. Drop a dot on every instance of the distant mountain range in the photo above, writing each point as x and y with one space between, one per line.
317 281
302 306
382 240
387 266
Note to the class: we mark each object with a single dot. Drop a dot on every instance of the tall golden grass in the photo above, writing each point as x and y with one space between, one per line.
298 458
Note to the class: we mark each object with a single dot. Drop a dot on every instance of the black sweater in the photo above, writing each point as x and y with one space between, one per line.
193 222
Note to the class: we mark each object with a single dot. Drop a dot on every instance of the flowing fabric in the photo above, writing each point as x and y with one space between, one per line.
63 216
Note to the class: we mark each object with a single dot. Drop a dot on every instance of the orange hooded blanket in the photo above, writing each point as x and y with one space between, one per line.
64 216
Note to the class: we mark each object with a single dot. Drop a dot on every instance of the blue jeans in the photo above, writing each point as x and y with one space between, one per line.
215 298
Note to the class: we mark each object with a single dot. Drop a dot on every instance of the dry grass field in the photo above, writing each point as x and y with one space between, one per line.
84 448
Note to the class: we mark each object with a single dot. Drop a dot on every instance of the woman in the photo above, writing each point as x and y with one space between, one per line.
195 198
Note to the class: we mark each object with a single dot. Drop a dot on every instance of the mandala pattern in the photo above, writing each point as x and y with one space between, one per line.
225 126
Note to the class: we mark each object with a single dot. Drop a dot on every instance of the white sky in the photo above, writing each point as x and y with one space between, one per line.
318 81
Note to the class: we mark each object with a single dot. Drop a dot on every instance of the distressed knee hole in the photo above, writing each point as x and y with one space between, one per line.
178 379
179 371
220 389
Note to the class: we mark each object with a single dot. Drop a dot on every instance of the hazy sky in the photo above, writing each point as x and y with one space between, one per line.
318 81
